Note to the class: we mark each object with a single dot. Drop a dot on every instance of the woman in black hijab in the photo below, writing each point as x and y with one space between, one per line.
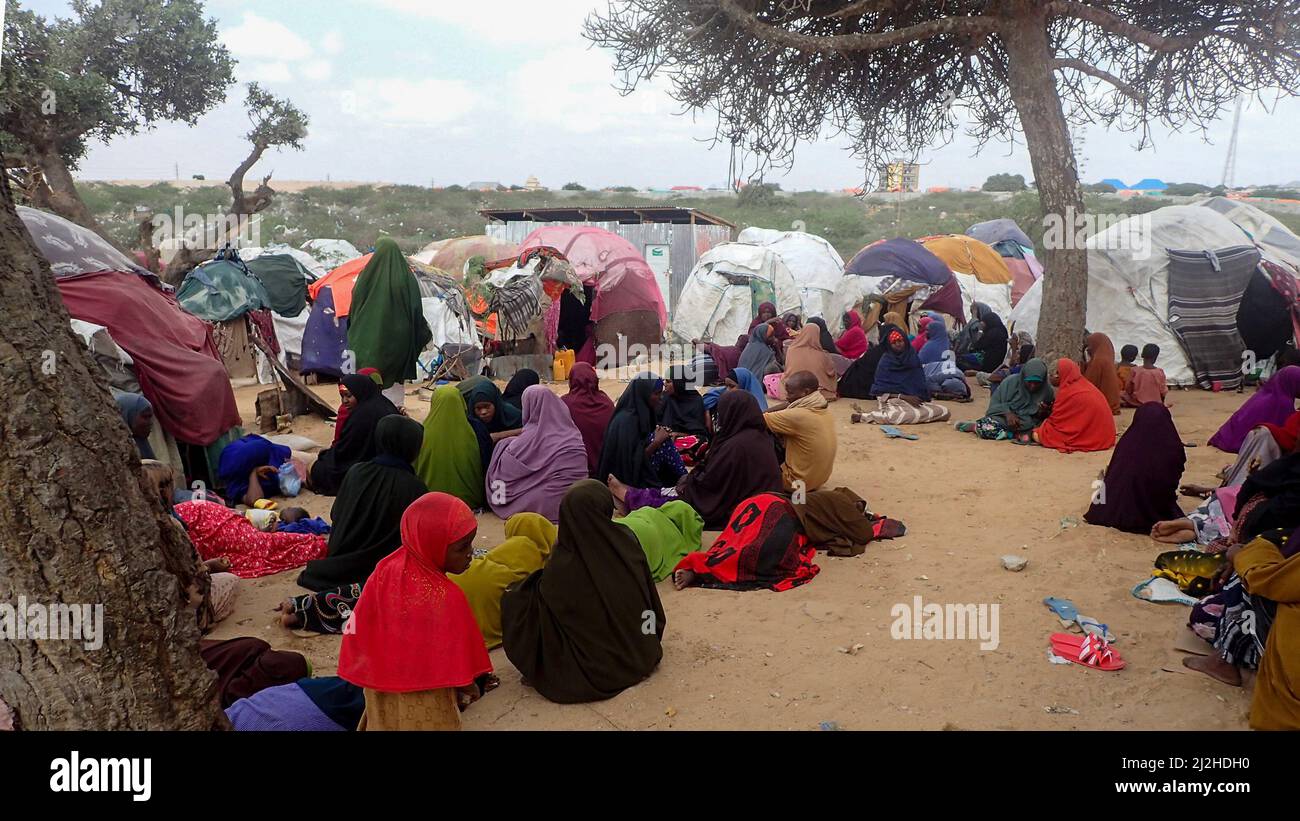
635 450
682 408
367 513
988 351
356 443
861 375
589 624
522 380
828 341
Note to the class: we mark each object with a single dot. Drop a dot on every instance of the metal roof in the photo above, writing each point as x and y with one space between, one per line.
631 214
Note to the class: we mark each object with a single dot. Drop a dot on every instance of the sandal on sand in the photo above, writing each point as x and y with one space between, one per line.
1063 608
1087 651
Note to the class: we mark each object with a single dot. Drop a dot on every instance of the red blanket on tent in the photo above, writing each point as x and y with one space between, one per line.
176 362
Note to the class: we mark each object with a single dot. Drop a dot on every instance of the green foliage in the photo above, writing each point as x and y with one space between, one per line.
1186 189
573 186
1005 182
276 121
1276 193
1099 188
758 194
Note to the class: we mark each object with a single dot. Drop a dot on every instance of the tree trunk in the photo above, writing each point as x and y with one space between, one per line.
76 528
60 195
1032 84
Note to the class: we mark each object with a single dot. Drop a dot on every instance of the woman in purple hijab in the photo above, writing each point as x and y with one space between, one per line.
1141 482
531 472
1274 402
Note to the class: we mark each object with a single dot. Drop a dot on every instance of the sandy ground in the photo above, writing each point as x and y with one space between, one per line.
763 660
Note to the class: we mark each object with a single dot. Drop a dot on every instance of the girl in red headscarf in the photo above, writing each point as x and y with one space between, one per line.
412 642
1081 419
853 342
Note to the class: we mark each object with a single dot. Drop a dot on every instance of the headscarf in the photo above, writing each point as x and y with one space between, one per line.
590 624
529 538
683 411
744 380
131 405
828 341
623 452
992 342
921 336
412 629
1081 419
590 410
248 665
357 441
806 354
766 307
341 416
481 389
757 356
740 463
936 344
899 373
1012 395
367 513
1141 482
853 342
1279 482
531 472
1101 369
386 327
1274 402
521 381
1286 435
450 460
665 534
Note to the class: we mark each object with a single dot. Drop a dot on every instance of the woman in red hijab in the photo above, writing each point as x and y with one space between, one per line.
412 642
1101 370
853 342
921 324
1081 419
590 409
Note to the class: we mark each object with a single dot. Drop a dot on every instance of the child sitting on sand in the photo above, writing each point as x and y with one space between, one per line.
1126 366
1147 384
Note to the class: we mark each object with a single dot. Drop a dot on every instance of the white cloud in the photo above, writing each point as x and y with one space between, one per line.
266 72
258 37
317 69
332 43
506 21
399 101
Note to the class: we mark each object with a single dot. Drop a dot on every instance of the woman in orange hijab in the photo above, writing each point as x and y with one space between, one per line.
806 354
1081 419
412 642
1101 369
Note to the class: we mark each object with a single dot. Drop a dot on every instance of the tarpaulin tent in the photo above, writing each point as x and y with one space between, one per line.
221 290
1129 296
979 270
285 279
726 286
450 255
900 267
814 263
72 249
314 267
1016 250
626 300
1278 242
340 281
994 231
331 252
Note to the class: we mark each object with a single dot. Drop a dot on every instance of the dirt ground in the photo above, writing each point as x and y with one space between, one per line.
763 660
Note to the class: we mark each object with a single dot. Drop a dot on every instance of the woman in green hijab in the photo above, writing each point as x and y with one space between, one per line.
666 534
1021 402
449 460
386 327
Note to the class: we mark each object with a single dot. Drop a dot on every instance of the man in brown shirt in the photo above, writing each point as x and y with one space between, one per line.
808 429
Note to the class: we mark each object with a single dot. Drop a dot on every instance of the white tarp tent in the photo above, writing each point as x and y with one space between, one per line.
814 263
1275 240
996 296
717 303
1128 279
331 252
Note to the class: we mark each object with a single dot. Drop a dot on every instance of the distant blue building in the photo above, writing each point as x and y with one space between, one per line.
1151 184
1118 185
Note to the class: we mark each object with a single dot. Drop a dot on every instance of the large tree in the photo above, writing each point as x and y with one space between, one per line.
895 74
276 123
113 68
76 528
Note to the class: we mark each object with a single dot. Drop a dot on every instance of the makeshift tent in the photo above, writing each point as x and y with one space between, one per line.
814 263
1131 300
901 272
313 266
331 252
1016 250
225 293
340 281
980 272
726 286
450 255
285 277
1277 241
72 249
626 301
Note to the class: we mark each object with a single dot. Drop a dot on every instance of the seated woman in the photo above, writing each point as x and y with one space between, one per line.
137 413
1080 420
1273 402
989 350
493 418
901 390
726 357
1100 369
307 705
636 451
529 539
1268 571
805 354
249 469
758 357
523 379
666 534
853 341
740 379
1140 486
1020 404
683 412
367 512
942 375
1021 352
412 642
839 360
247 665
357 441
590 410
763 547
221 533
345 409
531 472
741 463
451 456
589 624
922 332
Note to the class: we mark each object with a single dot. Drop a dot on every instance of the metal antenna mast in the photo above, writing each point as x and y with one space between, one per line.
1230 167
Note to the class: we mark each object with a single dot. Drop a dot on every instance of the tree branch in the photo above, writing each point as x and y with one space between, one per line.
752 25
1113 24
1101 74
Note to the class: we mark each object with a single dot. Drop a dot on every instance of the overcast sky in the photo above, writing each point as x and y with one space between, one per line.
442 92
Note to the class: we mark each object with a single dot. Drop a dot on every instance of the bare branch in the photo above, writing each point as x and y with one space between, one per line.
1092 71
751 24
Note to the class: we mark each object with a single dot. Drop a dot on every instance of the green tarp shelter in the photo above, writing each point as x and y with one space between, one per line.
285 280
